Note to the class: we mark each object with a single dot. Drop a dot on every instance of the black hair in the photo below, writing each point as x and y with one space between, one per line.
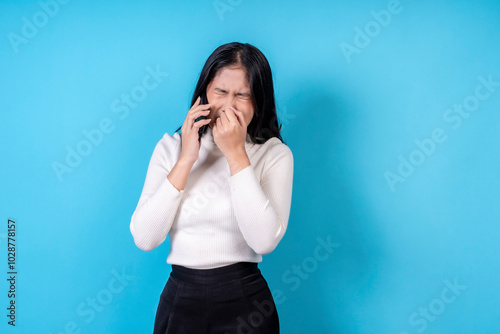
264 124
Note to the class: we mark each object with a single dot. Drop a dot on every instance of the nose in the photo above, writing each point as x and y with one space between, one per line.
229 102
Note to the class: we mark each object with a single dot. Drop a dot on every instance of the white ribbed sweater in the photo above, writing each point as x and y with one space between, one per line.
217 219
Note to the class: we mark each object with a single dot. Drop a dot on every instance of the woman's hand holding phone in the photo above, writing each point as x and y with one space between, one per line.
190 131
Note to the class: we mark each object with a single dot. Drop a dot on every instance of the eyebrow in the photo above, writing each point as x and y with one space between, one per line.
224 91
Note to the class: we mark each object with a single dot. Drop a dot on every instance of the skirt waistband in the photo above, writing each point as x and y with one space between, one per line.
214 275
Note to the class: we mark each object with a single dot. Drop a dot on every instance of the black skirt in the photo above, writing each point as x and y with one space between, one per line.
233 299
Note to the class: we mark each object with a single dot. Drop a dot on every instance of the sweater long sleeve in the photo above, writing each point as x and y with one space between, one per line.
262 208
218 218
159 200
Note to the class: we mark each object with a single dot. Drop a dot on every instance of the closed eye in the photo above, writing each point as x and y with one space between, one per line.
222 91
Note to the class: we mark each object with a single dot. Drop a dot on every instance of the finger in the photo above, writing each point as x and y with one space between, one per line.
231 115
201 122
201 116
196 103
239 114
219 122
238 117
223 117
201 112
227 120
195 115
200 107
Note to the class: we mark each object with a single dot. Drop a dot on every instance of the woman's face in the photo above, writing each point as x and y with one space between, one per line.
230 88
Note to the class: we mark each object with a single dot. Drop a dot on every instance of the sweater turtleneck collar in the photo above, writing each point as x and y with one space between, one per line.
208 138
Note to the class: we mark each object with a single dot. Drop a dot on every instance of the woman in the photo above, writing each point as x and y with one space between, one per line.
233 208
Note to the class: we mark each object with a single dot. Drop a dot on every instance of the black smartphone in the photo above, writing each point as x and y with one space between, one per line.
202 128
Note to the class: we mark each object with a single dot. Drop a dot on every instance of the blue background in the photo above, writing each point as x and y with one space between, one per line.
349 119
